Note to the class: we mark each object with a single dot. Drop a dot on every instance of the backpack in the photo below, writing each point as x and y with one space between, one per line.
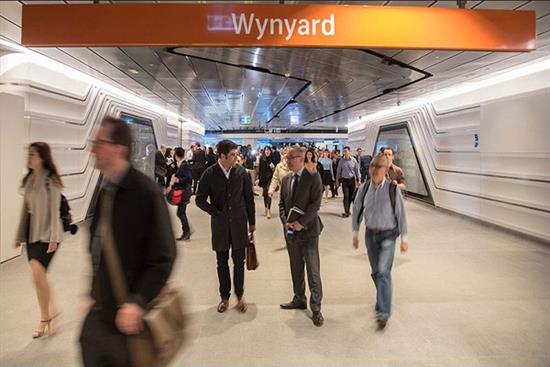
392 192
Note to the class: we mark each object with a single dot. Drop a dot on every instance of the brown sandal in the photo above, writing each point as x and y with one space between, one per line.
223 306
242 306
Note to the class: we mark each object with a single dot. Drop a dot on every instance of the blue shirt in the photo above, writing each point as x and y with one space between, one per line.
377 212
348 168
327 164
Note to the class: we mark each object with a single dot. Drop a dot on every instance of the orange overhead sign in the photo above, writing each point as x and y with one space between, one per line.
272 25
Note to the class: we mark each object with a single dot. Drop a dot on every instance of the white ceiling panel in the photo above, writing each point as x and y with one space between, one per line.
503 5
452 3
541 7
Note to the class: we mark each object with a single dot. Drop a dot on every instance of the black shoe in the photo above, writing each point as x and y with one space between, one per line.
187 237
293 306
345 215
382 322
318 319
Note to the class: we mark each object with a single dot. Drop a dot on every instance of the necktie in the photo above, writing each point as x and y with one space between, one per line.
294 185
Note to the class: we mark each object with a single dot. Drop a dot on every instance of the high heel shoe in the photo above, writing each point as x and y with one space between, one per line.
49 328
39 333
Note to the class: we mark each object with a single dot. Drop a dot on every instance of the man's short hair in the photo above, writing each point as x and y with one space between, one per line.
121 133
380 158
297 151
388 148
225 146
361 149
198 145
347 147
179 152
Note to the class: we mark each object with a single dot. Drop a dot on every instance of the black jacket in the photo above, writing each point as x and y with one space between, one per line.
230 204
160 164
265 171
199 159
211 159
183 174
144 239
307 198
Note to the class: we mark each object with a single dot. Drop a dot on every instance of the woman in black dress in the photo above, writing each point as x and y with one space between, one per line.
40 226
265 174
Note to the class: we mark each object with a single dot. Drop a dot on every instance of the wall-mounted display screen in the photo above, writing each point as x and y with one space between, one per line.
144 146
398 138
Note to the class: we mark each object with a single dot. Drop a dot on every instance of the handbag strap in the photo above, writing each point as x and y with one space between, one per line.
118 283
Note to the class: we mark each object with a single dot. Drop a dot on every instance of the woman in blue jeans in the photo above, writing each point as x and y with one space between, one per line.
183 179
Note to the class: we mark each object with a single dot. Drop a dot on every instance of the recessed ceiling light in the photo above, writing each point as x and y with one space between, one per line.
133 71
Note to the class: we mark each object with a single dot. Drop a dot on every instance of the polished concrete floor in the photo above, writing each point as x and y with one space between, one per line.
466 294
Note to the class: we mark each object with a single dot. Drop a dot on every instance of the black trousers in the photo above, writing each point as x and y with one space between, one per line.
102 344
161 181
334 189
224 277
197 173
267 199
348 187
182 215
306 254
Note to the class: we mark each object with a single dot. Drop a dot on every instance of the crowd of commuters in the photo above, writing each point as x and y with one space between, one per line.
131 213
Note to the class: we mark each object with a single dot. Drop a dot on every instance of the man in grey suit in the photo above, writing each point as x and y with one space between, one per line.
301 193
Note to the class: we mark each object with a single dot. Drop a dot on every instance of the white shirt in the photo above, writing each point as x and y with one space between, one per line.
226 173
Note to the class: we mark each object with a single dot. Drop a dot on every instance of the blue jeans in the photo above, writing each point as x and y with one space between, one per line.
380 249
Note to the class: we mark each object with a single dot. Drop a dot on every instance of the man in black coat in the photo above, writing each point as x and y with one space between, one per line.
160 166
199 165
301 193
144 242
225 192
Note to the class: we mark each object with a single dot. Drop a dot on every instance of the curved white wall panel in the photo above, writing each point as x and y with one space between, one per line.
505 179
64 111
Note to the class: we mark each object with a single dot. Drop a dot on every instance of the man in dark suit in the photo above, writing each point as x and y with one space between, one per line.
199 165
225 192
301 193
143 239
160 166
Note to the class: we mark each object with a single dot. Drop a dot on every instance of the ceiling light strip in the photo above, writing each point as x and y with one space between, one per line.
463 88
54 65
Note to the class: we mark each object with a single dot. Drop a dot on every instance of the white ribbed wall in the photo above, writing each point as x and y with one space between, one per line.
65 111
506 180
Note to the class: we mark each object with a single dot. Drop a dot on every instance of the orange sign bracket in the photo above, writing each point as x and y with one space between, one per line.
272 25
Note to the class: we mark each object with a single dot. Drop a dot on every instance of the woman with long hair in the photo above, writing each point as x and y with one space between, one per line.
40 226
328 177
265 174
311 160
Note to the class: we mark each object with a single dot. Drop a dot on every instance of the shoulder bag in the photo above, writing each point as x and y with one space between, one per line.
162 335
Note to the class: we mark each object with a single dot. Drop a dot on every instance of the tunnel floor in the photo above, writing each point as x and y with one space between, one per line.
466 294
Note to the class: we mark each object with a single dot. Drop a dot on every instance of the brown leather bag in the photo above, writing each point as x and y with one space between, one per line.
251 256
163 324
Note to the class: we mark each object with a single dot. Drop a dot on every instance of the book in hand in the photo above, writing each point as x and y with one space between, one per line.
293 215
